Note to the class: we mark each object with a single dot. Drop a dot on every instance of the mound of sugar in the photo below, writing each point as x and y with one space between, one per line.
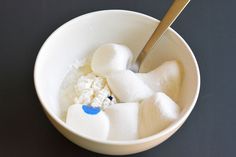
165 78
109 58
123 121
156 113
127 86
93 125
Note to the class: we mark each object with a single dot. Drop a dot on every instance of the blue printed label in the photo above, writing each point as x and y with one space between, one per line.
91 110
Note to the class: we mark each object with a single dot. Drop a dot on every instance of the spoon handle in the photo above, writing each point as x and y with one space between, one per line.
173 12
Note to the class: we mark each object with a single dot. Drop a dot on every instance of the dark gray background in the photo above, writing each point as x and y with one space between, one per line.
207 25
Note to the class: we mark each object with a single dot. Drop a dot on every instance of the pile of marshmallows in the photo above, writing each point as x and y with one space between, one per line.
146 100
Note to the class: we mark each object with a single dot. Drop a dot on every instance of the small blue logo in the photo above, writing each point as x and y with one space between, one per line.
91 110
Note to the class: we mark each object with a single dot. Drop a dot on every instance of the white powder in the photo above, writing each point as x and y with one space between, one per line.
93 90
81 85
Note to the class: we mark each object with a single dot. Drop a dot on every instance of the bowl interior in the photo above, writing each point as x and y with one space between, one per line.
81 36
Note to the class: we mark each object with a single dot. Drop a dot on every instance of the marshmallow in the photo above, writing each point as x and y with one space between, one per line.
110 57
123 121
165 78
127 87
156 113
88 121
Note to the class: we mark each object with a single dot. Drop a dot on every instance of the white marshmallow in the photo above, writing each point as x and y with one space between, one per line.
110 57
127 87
95 126
156 113
123 121
165 78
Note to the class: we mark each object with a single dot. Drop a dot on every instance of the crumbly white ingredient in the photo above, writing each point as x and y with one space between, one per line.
93 90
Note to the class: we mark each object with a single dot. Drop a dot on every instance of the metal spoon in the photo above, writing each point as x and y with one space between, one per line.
170 16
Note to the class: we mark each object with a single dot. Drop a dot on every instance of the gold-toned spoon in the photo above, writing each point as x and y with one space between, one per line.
170 16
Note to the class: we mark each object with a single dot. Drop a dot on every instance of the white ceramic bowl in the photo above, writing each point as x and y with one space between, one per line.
80 37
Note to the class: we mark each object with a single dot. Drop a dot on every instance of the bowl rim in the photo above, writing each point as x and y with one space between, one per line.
165 131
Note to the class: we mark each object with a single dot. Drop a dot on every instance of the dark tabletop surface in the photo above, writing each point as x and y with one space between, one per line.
207 25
